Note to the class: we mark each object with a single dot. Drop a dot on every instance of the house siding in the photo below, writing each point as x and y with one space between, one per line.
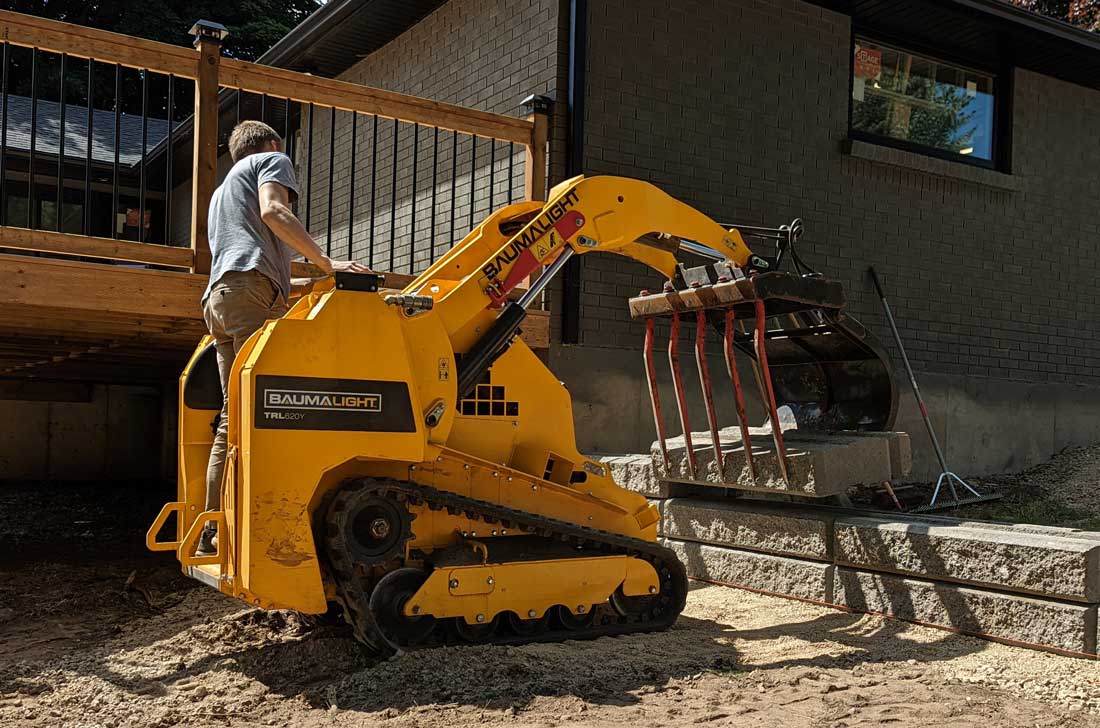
741 109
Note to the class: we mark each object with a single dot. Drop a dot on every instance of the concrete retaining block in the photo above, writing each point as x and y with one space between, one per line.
1037 622
1005 558
800 532
819 464
810 580
901 452
636 473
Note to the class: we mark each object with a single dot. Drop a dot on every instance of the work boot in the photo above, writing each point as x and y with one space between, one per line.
208 542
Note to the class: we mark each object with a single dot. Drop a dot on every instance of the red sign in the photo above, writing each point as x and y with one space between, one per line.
132 215
868 63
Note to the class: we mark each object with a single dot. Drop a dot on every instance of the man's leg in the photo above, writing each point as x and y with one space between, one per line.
236 309
215 468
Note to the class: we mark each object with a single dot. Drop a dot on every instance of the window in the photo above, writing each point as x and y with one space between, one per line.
918 102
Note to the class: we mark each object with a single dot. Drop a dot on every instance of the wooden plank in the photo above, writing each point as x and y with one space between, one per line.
204 172
88 246
535 158
76 40
536 329
93 287
354 97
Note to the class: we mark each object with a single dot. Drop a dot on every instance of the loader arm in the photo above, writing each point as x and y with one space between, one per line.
471 285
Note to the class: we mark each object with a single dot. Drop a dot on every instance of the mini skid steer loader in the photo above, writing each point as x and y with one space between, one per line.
405 458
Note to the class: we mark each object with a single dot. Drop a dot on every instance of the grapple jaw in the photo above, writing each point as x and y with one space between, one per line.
805 352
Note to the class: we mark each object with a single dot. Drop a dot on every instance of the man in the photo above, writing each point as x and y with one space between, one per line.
253 236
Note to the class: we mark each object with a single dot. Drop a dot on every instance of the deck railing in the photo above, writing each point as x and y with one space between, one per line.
109 150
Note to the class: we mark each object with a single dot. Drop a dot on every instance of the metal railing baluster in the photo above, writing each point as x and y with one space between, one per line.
435 176
393 196
351 180
412 213
309 168
34 133
454 182
61 149
144 145
90 140
118 149
331 177
168 162
373 188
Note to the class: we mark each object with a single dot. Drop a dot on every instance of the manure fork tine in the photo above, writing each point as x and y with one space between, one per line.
654 396
738 394
678 385
704 382
768 394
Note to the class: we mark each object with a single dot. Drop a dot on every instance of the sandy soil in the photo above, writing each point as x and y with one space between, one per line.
82 647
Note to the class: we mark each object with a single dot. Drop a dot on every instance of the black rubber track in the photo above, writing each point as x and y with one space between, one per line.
355 580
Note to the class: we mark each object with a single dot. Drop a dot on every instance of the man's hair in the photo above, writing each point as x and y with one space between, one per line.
250 137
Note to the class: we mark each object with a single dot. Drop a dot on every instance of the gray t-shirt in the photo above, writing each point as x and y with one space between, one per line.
239 239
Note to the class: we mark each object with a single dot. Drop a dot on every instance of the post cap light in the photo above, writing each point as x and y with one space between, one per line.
208 29
535 104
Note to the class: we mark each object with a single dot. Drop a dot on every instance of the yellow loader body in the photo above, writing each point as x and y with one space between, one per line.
405 457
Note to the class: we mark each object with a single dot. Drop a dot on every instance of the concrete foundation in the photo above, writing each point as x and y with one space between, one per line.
100 432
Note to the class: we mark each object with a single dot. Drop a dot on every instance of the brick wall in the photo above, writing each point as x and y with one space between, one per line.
478 53
740 108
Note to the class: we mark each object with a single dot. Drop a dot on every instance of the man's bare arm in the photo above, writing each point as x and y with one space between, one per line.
276 213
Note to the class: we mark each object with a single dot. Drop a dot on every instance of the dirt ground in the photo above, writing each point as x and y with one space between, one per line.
96 632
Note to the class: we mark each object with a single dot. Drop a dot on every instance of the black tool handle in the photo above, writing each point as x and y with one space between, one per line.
875 280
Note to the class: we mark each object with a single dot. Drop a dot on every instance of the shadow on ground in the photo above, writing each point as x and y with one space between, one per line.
71 612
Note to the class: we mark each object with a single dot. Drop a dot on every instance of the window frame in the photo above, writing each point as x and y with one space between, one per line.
1002 103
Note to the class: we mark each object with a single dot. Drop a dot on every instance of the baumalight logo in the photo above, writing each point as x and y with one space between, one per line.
294 399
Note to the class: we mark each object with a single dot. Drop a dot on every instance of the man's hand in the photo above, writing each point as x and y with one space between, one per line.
346 266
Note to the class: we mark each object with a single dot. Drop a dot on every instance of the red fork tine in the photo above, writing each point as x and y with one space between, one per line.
678 385
769 393
654 397
738 395
704 381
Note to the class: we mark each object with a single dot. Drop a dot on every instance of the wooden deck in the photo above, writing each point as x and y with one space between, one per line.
114 323
100 309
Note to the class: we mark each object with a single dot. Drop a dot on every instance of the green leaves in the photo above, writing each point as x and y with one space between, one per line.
254 25
1085 13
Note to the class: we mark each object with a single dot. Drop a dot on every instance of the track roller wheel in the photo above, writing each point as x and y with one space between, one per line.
576 622
527 627
626 606
387 605
475 634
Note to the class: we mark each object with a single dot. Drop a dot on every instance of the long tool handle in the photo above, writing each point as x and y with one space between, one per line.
909 370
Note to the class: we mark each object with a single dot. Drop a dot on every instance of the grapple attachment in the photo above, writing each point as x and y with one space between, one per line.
806 354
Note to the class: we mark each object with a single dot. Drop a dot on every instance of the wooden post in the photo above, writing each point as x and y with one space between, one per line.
204 173
538 108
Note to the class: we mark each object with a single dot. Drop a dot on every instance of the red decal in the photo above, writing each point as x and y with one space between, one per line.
569 224
525 264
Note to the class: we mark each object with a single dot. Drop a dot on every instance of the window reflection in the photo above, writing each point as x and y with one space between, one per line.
922 101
